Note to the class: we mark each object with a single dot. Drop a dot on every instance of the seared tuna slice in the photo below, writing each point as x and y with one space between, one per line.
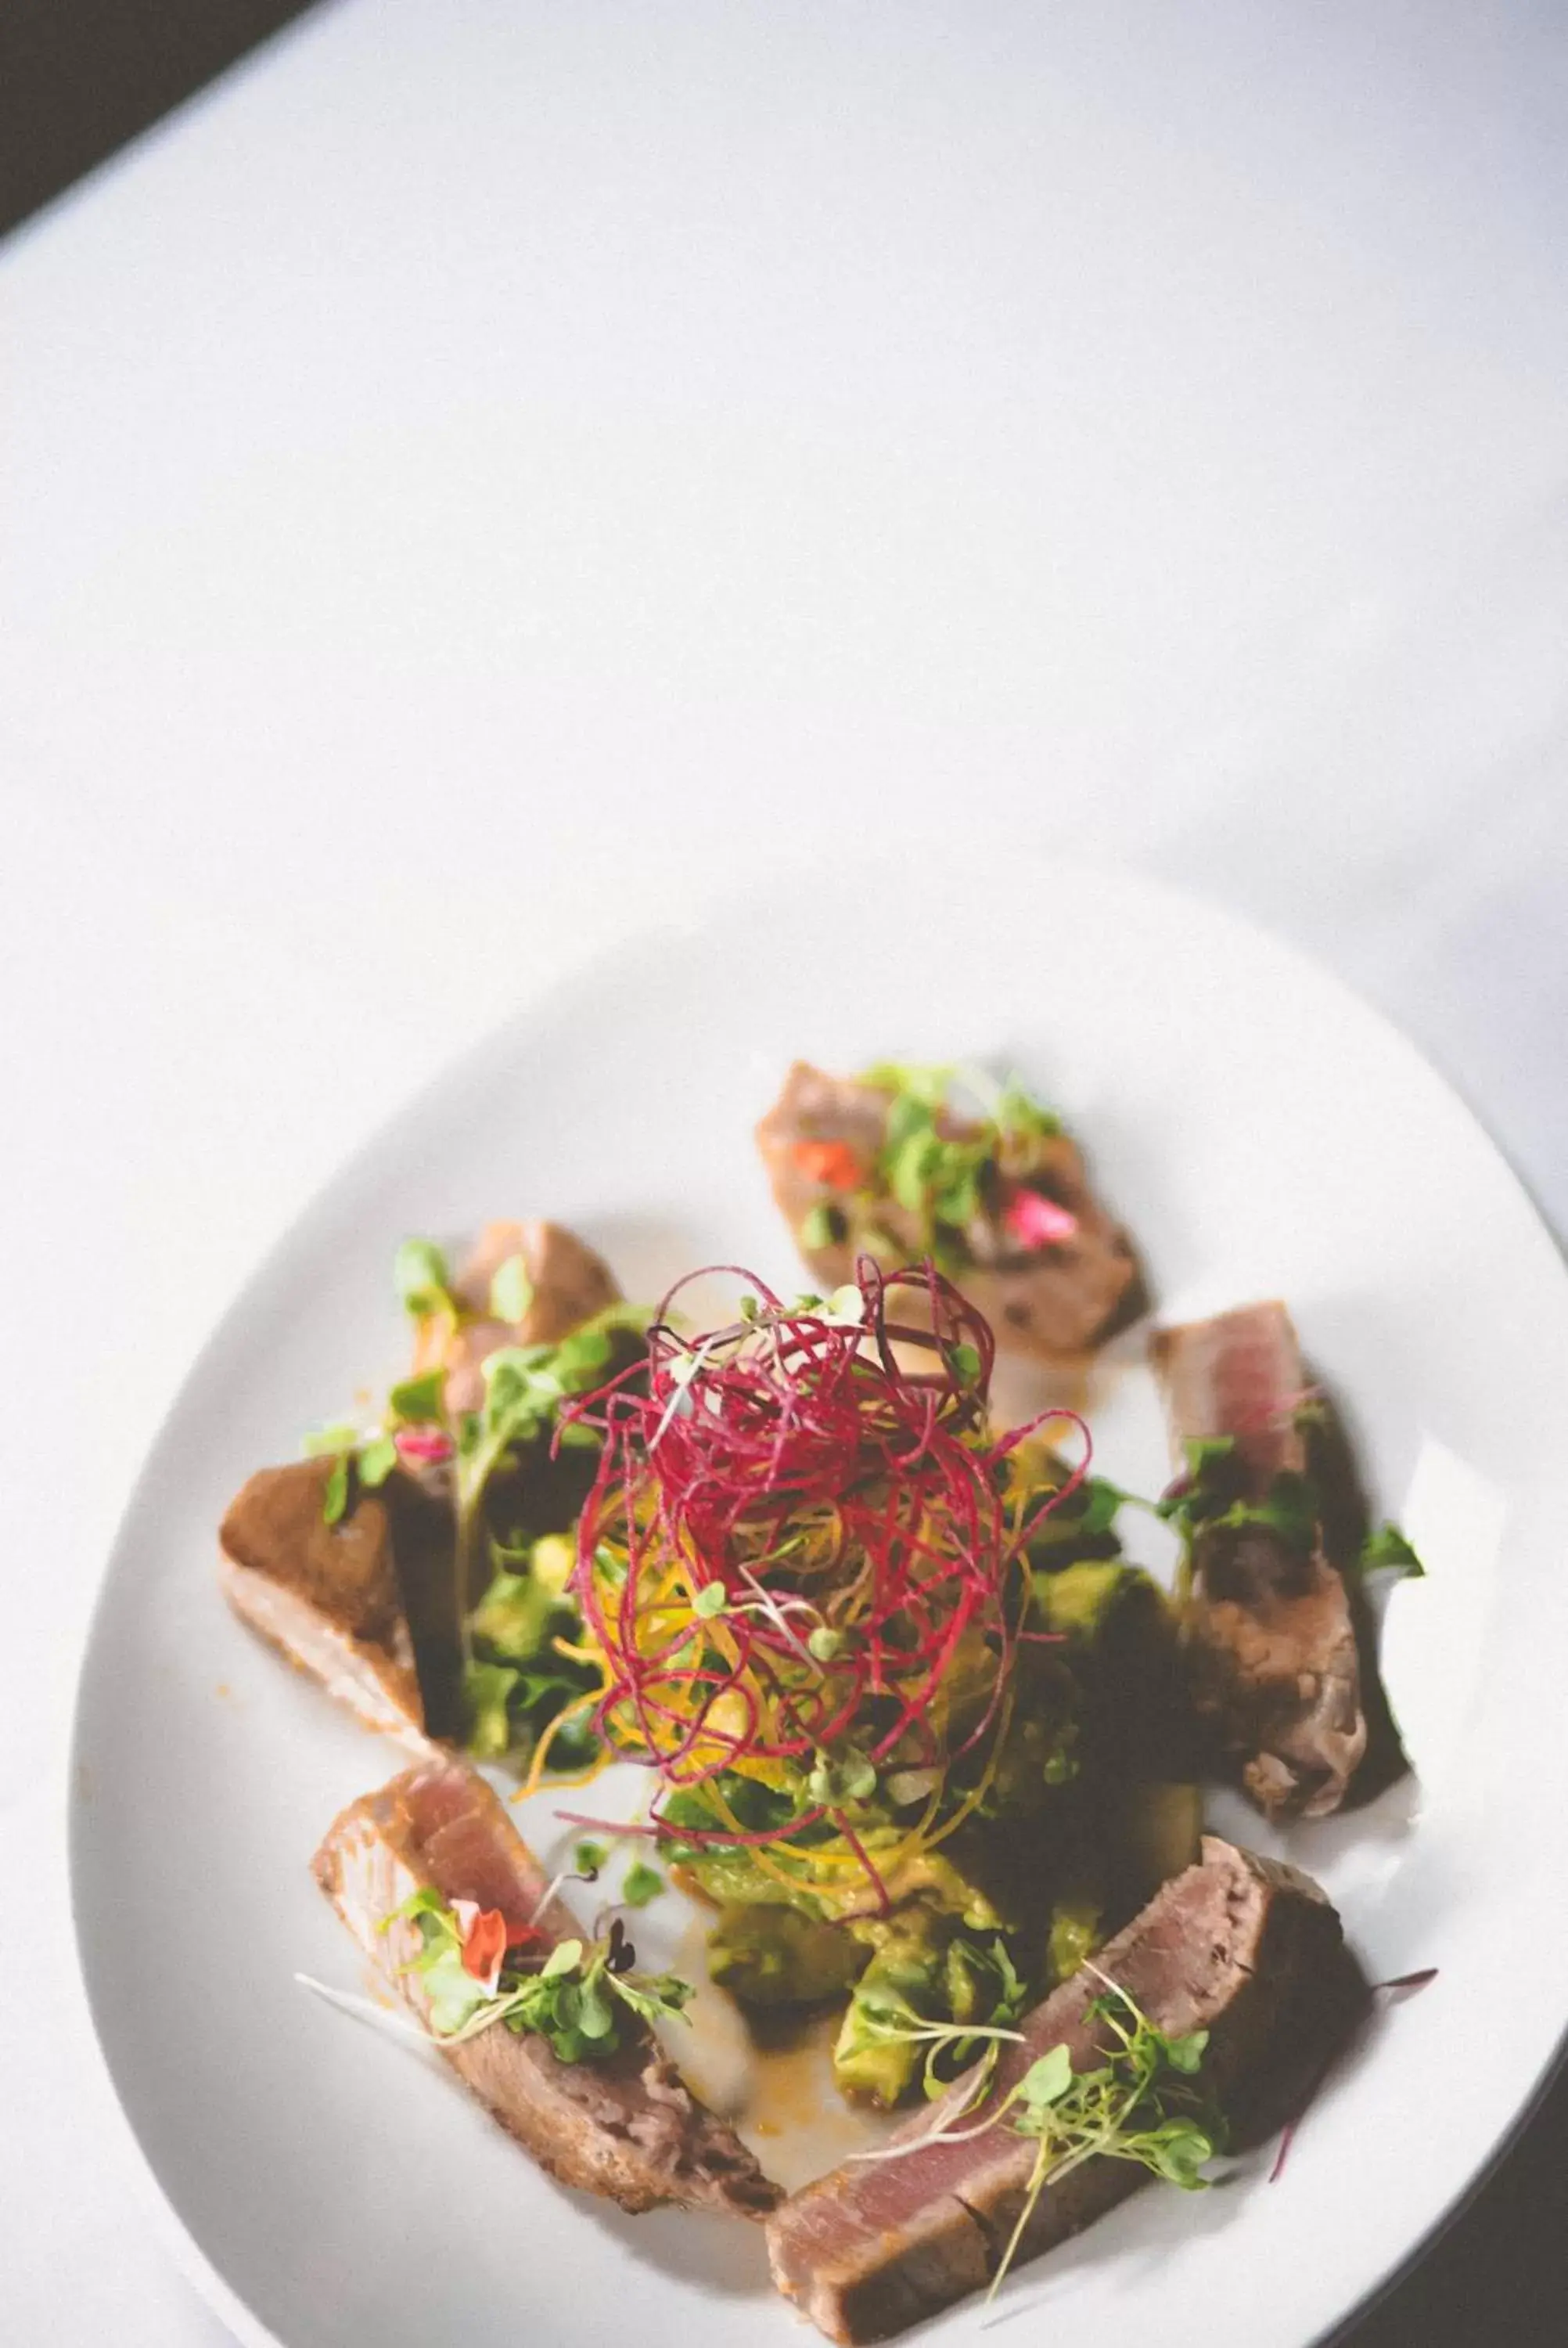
624 2126
566 1285
364 1605
1244 1948
1038 1255
1269 1629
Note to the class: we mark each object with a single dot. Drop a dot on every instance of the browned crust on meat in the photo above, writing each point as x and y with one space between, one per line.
327 1597
1242 1947
627 2127
366 1606
1059 1303
1269 1634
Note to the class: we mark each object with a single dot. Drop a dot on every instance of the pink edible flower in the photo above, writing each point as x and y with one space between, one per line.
1036 1221
427 1446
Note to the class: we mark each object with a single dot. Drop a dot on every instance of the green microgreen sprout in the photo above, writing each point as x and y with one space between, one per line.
640 1883
1134 2106
822 1227
525 1387
1386 1550
570 2000
1138 2104
511 1290
935 1165
362 1454
422 1280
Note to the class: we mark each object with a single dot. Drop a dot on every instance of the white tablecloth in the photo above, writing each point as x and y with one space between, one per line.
488 466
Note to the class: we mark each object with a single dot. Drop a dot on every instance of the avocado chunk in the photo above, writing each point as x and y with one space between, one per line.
775 1955
906 1976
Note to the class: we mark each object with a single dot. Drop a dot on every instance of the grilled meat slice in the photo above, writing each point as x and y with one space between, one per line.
1269 1631
625 2126
364 1605
1244 1948
1059 1300
570 1284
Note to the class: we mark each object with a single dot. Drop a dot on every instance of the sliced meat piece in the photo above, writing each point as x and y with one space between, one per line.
570 1283
1242 1947
1268 1629
626 2127
1059 1301
365 1605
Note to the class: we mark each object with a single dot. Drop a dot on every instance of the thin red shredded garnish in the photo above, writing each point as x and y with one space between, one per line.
793 1541
832 1162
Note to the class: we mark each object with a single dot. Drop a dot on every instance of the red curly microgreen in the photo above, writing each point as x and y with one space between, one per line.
794 1469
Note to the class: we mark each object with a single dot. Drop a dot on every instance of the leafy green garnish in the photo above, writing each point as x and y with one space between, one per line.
524 1388
590 1858
420 1276
822 1227
1386 1549
710 1600
353 1453
417 1401
570 2001
896 2020
935 1164
641 1884
1217 1495
321 1439
1136 2106
377 1458
487 1691
335 1499
511 1289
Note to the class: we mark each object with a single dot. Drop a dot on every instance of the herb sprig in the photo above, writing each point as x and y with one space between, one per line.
982 1980
525 1387
935 1168
577 2000
1138 2104
1215 1495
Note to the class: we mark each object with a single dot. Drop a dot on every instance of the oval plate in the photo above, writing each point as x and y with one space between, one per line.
1264 1133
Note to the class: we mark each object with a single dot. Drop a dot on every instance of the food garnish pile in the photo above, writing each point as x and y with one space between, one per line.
920 1737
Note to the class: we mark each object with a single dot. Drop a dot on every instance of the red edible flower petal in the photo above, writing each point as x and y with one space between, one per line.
832 1162
483 1943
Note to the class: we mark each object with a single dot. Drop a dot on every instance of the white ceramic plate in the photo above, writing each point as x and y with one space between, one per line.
1264 1133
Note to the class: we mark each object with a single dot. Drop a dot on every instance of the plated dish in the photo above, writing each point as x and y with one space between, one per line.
921 1737
899 1745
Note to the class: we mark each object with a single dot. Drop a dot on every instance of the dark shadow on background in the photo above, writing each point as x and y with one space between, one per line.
80 77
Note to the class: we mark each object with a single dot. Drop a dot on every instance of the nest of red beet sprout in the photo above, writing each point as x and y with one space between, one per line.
794 1535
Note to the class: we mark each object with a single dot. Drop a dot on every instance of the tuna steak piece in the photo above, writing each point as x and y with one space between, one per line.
1244 1948
365 1605
566 1285
625 2126
1270 1631
1058 1296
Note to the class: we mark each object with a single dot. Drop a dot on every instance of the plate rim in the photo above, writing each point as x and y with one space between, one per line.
600 963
